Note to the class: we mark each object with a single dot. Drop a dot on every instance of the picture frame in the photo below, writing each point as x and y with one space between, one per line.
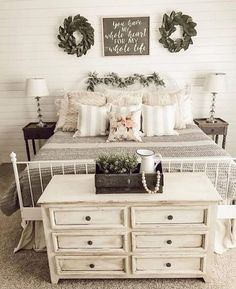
126 36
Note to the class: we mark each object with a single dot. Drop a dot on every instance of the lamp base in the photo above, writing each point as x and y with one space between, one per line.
211 120
40 123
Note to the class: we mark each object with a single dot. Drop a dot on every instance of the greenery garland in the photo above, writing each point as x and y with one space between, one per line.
67 39
115 80
168 27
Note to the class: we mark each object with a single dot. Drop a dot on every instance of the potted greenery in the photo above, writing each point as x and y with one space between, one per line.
119 173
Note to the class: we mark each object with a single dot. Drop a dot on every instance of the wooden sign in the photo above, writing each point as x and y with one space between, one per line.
126 36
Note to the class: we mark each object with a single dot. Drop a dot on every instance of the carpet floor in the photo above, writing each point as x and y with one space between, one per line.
28 269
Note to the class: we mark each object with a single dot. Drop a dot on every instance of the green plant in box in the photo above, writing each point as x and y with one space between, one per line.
122 163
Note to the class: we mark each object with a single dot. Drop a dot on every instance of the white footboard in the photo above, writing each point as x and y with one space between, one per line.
33 213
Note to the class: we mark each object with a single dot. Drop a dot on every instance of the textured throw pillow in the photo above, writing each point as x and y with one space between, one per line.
124 98
92 120
160 96
158 120
127 109
124 126
87 97
68 112
71 116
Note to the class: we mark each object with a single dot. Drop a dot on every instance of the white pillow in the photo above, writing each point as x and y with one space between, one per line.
184 114
160 96
158 120
123 98
127 109
92 120
62 108
87 97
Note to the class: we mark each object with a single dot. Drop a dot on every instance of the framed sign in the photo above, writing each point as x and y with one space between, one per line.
126 36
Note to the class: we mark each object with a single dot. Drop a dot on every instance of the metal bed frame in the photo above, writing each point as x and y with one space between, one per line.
225 211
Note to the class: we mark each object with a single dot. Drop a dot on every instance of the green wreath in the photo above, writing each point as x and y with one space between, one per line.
68 40
169 24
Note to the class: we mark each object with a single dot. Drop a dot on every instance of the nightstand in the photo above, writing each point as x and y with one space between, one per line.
215 129
33 132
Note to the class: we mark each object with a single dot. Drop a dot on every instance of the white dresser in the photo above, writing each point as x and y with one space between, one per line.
167 235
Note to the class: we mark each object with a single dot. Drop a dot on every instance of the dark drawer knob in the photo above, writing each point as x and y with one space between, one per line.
170 217
88 218
90 242
91 266
169 242
212 130
168 265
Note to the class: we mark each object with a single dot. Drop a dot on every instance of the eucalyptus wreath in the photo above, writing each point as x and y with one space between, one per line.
115 80
168 27
67 39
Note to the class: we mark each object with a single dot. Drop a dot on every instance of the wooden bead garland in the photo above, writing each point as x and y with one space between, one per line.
157 187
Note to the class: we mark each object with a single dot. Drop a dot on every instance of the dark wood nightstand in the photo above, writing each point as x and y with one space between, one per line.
215 129
33 132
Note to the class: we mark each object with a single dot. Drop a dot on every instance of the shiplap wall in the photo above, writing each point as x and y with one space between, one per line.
28 48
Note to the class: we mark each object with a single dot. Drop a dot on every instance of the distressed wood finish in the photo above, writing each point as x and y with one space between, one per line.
167 235
220 127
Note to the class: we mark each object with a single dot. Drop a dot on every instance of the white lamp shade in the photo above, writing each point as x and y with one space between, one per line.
36 87
216 82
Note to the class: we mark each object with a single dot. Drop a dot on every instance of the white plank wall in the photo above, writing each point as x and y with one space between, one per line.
28 48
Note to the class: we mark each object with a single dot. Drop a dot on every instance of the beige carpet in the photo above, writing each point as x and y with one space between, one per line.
28 269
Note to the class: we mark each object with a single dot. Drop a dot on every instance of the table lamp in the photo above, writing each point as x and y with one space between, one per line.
37 87
215 83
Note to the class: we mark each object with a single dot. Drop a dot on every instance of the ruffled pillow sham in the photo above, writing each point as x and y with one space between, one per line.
124 98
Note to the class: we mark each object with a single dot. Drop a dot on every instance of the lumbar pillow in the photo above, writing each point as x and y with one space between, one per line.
92 120
158 120
124 98
124 126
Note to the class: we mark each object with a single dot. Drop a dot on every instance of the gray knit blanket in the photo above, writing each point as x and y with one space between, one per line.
190 143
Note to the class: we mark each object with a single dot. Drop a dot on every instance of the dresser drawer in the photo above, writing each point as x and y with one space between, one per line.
151 216
145 241
90 242
94 265
87 217
161 264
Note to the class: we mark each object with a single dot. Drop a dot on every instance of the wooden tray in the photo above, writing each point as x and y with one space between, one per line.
126 183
